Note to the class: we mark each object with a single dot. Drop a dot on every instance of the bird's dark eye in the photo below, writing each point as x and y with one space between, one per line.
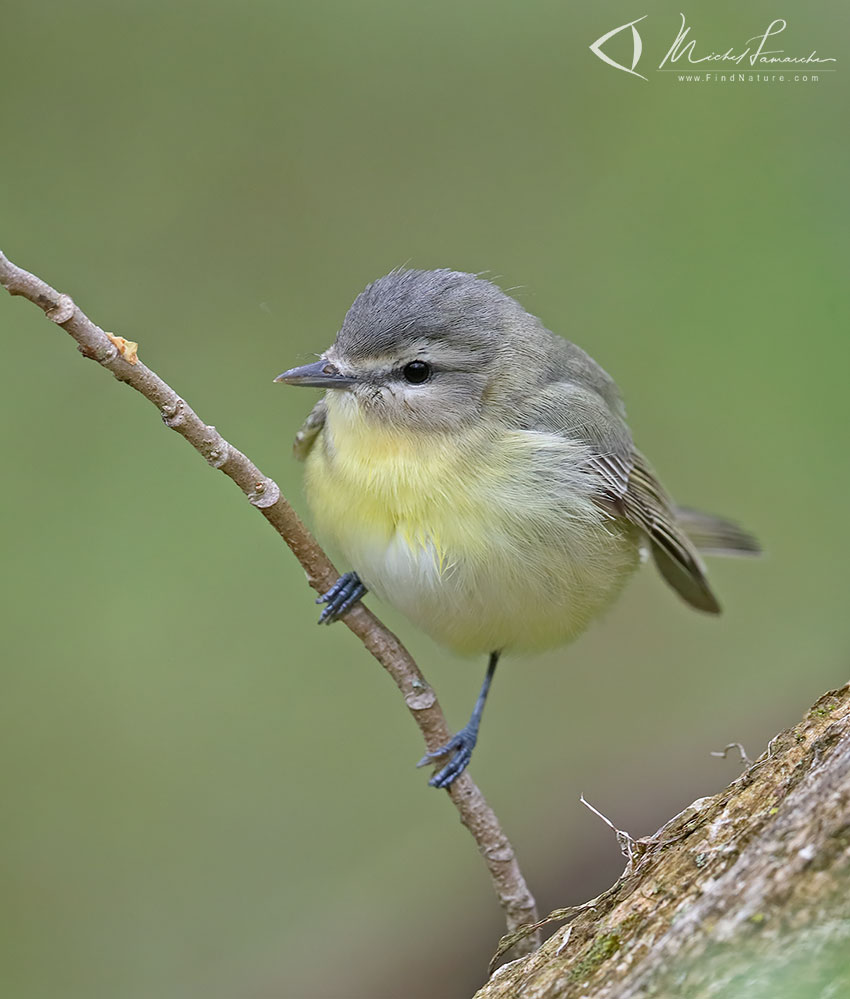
416 372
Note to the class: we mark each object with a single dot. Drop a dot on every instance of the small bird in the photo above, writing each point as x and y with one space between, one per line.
477 473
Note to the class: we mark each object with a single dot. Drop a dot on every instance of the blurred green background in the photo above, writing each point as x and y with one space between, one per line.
204 794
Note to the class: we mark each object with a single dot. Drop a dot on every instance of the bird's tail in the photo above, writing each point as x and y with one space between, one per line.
715 535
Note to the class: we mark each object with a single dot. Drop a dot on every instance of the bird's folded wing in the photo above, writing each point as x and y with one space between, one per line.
645 503
310 430
627 485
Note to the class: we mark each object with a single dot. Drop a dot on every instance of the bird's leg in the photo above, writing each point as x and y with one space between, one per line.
463 742
345 592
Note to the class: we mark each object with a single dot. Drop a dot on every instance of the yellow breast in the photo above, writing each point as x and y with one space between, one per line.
487 541
369 486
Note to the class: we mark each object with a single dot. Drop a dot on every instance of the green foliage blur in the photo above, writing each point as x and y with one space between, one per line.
204 794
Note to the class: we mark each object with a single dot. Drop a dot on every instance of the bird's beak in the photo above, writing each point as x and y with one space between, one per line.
321 374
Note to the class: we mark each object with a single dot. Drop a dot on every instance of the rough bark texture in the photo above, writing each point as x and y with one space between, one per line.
744 895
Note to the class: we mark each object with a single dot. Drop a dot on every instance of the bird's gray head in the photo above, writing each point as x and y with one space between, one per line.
424 349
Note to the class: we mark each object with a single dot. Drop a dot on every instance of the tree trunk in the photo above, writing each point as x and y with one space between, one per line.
744 895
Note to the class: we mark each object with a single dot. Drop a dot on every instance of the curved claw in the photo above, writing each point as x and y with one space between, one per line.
461 744
342 596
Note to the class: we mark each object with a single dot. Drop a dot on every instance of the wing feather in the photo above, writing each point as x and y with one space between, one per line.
645 503
627 485
310 430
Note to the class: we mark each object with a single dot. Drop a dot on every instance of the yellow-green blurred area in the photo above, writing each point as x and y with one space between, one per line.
205 795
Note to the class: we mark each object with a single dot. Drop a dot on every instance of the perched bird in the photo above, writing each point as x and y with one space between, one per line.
477 472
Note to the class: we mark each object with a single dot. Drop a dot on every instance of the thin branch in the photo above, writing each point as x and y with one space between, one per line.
625 841
119 357
722 754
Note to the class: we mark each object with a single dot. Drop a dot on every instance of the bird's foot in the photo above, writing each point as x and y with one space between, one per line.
342 596
461 744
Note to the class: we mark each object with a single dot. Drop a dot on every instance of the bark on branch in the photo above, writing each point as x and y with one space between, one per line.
743 895
119 357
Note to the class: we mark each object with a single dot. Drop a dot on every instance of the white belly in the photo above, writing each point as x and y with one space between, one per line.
504 599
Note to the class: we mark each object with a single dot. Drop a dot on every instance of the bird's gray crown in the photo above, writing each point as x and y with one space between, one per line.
406 307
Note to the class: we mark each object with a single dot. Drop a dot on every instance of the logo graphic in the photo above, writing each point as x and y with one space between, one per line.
637 47
745 62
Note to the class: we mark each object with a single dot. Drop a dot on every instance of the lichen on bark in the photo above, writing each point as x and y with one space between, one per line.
743 895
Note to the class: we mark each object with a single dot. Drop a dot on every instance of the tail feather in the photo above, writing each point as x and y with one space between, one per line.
716 535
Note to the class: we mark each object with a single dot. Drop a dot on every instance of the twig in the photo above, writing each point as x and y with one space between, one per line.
119 357
723 753
625 842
